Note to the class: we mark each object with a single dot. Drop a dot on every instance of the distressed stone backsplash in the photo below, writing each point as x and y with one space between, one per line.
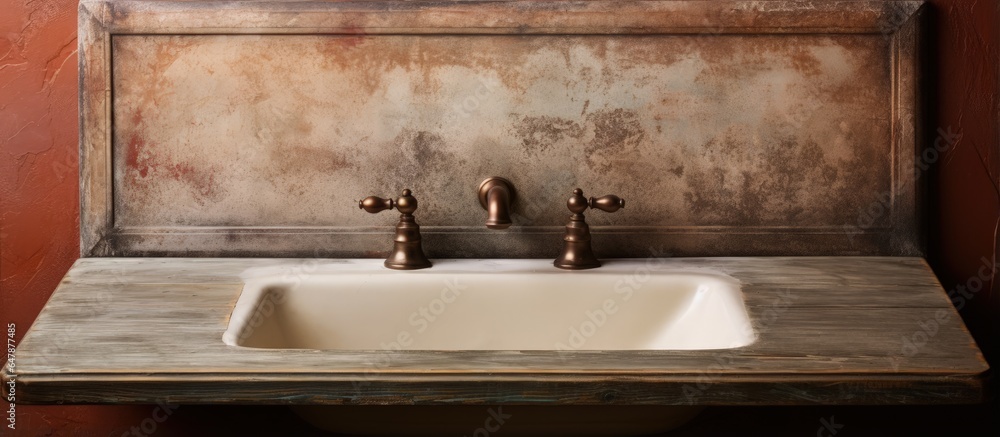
731 128
695 131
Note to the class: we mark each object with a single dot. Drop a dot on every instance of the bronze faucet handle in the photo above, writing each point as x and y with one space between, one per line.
374 204
407 252
609 203
577 253
406 204
577 203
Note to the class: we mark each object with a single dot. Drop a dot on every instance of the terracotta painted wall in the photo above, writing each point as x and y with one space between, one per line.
39 206
38 185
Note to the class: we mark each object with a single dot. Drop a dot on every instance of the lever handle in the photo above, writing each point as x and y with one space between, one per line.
374 204
406 203
577 203
407 253
577 253
609 203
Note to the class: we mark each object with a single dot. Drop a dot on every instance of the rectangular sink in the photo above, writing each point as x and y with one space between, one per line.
489 305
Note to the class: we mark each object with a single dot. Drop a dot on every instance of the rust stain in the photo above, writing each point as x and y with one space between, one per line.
613 132
419 152
201 182
805 62
133 155
135 146
142 162
616 132
355 36
542 132
422 56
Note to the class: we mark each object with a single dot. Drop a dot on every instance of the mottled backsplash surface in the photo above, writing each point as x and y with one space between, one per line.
721 143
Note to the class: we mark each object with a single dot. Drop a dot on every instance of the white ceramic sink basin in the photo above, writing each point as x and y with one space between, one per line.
488 305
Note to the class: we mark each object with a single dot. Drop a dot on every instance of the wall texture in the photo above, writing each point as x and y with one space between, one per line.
733 144
38 190
716 131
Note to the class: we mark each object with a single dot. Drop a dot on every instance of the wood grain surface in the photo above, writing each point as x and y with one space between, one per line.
837 330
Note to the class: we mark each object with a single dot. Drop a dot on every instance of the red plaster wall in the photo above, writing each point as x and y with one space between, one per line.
39 202
964 205
39 206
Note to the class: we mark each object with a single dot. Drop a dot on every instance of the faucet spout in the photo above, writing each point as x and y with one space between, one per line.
498 208
496 195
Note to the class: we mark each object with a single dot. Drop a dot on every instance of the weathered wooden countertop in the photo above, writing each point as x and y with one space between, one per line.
844 330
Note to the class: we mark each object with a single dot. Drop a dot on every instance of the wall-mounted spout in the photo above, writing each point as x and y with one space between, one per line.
496 195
